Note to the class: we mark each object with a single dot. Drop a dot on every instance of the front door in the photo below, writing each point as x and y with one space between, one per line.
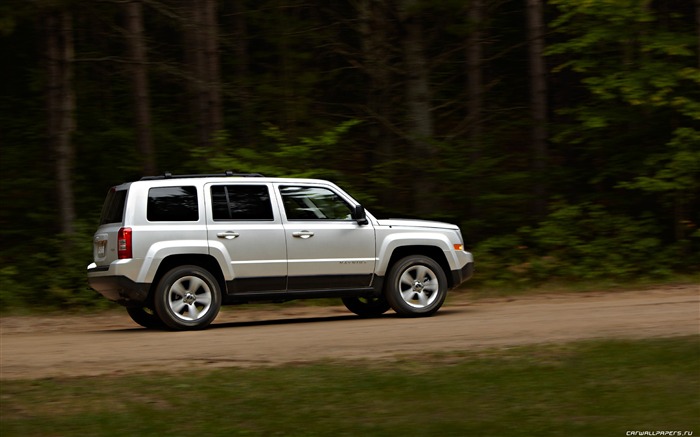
326 248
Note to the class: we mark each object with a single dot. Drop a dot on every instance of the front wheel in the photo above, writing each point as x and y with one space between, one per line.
187 297
366 306
416 286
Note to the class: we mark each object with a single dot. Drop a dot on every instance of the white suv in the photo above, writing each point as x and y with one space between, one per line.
173 249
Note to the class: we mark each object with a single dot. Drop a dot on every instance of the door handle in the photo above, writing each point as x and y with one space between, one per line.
303 234
229 235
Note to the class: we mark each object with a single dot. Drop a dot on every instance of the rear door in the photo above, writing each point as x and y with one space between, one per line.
326 248
243 224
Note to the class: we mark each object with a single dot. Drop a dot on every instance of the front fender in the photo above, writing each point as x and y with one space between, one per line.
390 243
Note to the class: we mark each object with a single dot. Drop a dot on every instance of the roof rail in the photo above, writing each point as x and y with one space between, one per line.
227 173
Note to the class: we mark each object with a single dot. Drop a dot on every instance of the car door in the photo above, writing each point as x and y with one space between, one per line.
326 248
243 225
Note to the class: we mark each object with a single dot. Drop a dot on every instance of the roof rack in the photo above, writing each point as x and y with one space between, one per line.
227 173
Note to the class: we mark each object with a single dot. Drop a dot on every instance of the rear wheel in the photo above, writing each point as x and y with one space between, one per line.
187 297
145 317
366 306
416 286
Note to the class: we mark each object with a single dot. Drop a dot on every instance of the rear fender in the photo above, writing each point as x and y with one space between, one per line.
161 250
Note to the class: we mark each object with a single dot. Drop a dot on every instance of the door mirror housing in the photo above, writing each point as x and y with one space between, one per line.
359 215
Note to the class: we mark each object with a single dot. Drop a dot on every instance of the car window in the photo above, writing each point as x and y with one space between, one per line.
241 202
113 208
172 204
313 203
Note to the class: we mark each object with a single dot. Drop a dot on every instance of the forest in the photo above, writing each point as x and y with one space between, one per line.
563 136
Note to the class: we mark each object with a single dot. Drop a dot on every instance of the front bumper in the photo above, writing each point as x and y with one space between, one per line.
118 289
461 275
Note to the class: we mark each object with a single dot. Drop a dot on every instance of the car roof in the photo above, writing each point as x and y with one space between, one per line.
167 178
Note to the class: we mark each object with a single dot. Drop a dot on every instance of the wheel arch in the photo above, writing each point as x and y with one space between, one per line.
207 262
432 252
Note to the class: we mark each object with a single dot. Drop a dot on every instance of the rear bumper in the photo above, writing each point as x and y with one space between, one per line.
461 275
118 289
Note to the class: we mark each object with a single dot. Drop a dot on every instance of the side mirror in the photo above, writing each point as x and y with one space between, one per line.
358 214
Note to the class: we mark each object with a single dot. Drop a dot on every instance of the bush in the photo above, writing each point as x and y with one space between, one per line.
579 242
49 273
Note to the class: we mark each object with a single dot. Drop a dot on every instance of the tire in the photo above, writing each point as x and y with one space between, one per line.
416 286
145 317
366 306
187 297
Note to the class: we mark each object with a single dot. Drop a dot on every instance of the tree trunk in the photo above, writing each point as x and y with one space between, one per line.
140 87
376 54
475 94
289 116
202 57
697 27
242 73
418 102
538 104
213 67
61 108
475 86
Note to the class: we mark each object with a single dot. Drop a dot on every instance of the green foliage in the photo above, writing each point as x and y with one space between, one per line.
50 273
586 241
304 157
62 270
628 61
578 242
676 171
637 123
13 289
625 124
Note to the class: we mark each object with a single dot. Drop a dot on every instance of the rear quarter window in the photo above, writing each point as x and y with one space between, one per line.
113 208
172 204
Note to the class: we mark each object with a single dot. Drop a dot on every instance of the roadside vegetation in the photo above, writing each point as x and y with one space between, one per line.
578 389
563 136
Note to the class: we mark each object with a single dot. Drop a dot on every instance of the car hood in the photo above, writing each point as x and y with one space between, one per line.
410 223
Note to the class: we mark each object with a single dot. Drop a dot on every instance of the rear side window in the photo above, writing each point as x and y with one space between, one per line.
113 208
241 202
172 204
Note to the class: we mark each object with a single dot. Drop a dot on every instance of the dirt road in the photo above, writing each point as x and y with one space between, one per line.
111 344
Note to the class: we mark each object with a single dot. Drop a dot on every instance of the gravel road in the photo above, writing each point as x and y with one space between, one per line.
111 344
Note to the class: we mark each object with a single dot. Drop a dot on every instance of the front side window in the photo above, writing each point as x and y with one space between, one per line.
172 204
313 203
241 202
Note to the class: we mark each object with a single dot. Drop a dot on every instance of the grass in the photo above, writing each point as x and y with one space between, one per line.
580 389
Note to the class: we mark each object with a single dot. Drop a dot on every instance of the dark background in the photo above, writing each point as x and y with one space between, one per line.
563 138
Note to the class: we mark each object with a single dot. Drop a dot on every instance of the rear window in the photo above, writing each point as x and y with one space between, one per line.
172 204
113 208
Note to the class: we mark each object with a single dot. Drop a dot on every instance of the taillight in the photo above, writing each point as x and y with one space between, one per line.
124 243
